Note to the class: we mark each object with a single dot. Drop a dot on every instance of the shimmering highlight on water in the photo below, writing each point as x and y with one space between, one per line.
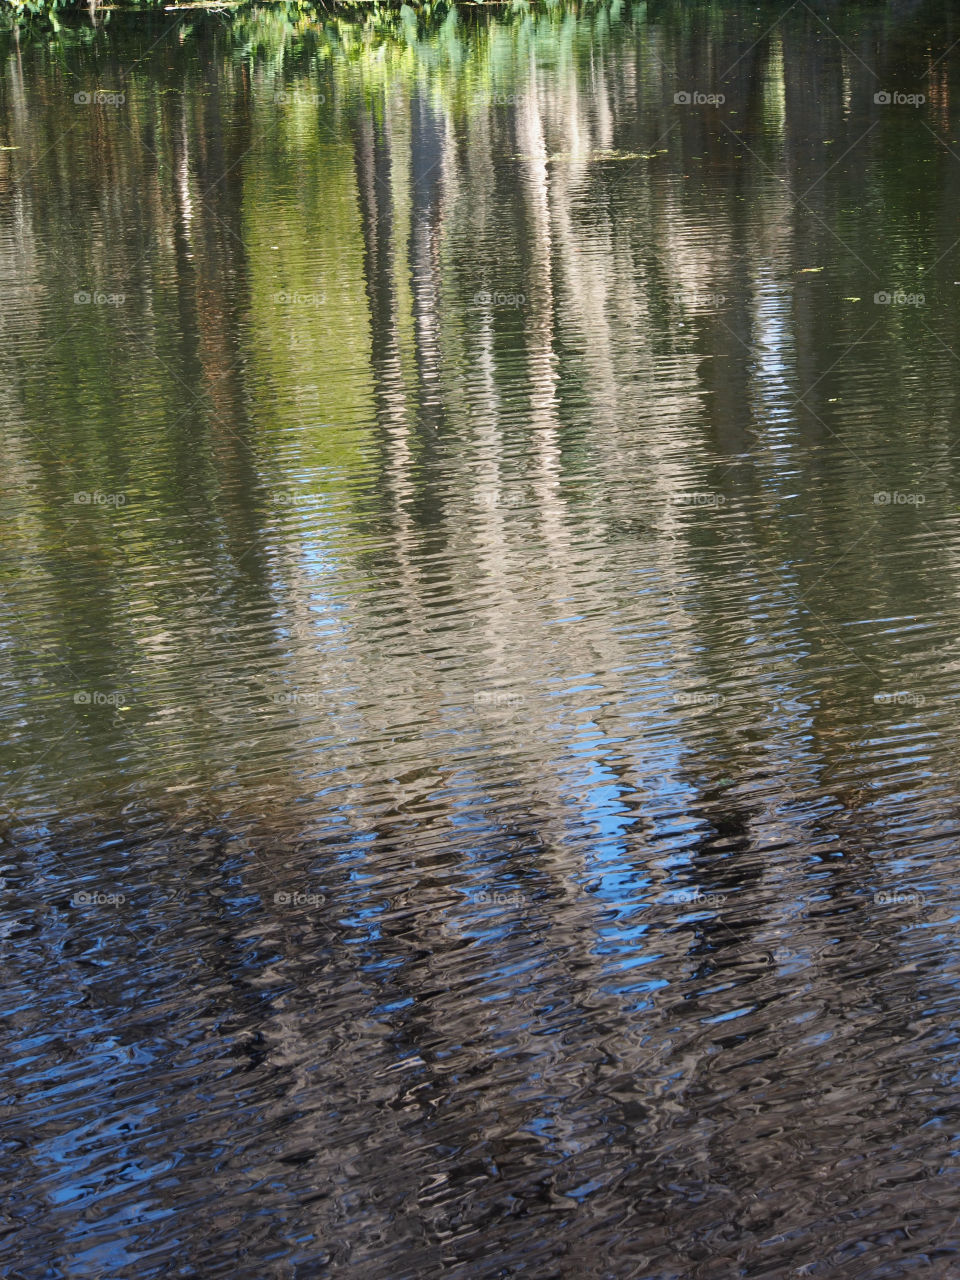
479 599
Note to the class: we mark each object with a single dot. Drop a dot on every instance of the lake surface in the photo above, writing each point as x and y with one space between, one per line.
480 624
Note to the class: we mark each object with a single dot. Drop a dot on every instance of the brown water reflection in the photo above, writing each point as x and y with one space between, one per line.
479 610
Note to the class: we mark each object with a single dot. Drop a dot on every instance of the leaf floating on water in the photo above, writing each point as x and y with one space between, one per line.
852 299
9 148
809 271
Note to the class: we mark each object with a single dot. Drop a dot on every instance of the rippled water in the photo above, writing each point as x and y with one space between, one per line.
479 615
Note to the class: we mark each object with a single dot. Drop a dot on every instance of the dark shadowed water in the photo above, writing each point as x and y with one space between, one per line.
480 627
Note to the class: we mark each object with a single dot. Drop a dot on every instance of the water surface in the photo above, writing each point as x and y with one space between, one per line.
479 612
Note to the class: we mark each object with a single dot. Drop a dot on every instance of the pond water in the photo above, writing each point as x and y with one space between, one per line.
480 625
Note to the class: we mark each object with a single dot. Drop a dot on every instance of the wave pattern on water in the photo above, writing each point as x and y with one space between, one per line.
478 615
